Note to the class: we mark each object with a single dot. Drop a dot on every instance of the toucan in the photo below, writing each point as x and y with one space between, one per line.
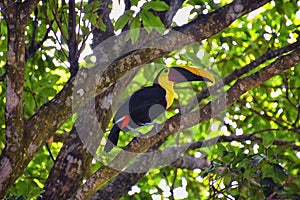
150 102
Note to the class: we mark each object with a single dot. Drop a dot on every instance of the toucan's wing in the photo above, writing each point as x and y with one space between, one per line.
147 104
144 105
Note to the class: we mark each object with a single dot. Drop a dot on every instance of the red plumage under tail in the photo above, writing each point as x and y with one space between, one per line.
112 138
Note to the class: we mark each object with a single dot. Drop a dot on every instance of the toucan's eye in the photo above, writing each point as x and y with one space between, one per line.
166 71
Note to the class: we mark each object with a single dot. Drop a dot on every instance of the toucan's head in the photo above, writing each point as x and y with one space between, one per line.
168 76
181 74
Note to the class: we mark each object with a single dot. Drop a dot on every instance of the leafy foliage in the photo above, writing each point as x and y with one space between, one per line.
265 165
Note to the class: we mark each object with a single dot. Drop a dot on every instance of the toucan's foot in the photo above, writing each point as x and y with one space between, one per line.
135 130
155 125
139 133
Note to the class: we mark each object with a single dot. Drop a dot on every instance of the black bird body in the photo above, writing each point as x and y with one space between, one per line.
150 102
133 114
137 114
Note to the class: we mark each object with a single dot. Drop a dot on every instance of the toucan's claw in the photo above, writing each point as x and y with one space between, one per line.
135 130
155 125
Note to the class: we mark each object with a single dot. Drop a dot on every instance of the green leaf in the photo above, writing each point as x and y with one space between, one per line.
92 7
135 29
227 180
268 138
292 188
156 5
221 149
267 171
280 174
151 21
134 2
123 20
100 24
50 14
22 188
289 9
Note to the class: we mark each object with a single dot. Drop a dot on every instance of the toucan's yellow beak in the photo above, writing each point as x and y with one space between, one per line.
186 74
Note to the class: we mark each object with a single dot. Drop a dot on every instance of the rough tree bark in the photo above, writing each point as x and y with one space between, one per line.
12 158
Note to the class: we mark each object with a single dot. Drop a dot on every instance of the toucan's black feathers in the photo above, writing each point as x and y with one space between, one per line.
112 138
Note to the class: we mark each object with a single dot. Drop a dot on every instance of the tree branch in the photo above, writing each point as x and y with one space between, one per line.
36 46
175 5
240 138
190 162
28 6
11 158
99 35
72 42
125 180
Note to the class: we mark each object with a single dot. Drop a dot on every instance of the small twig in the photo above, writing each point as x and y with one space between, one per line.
49 151
173 183
239 138
50 23
35 25
287 96
33 48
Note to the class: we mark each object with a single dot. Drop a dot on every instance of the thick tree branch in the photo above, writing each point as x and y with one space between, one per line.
28 6
190 162
11 158
125 180
15 77
178 122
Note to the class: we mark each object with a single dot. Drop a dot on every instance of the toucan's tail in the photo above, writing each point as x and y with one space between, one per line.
112 138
